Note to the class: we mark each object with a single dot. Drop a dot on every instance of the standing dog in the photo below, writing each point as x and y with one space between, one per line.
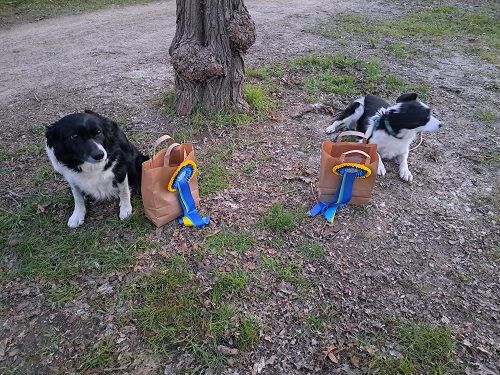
96 159
392 128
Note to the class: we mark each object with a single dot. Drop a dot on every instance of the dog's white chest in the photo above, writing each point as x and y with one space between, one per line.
93 180
388 146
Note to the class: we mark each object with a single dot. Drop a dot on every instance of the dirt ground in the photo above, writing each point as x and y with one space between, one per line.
422 252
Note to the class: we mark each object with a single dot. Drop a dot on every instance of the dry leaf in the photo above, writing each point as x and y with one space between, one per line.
332 358
355 361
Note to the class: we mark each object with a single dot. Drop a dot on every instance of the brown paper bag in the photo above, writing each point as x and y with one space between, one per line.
160 205
334 153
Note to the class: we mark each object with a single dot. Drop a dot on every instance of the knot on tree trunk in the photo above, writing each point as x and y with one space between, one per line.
241 30
196 63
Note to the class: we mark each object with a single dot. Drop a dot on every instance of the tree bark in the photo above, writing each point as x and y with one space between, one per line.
207 49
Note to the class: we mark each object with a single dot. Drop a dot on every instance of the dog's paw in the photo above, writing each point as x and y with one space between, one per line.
333 127
406 175
381 169
76 219
125 211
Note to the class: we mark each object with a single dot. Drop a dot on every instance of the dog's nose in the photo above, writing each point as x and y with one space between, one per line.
98 155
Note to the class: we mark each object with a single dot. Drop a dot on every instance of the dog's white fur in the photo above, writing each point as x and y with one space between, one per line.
96 181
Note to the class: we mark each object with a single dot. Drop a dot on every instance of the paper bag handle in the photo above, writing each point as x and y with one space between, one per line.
367 160
166 159
352 132
160 140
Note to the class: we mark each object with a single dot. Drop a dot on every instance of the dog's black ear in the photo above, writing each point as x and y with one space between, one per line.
407 97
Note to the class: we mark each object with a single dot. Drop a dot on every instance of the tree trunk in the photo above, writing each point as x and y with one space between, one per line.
206 52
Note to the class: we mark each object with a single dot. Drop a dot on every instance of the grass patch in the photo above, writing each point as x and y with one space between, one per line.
229 284
63 293
312 250
248 332
339 74
31 10
43 174
317 322
219 321
45 249
249 167
257 98
287 270
278 219
400 50
478 29
171 314
424 350
227 240
486 115
100 357
214 175
265 73
168 102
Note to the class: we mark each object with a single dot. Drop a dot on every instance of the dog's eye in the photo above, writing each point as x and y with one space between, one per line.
74 136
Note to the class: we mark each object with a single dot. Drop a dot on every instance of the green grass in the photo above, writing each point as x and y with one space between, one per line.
249 167
248 332
170 312
479 30
486 115
100 357
256 95
63 293
219 322
258 98
279 220
214 175
317 322
401 50
341 75
424 350
312 250
228 240
265 73
287 270
45 249
35 9
43 173
229 284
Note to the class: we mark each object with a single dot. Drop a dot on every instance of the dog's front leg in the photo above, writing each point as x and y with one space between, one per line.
381 167
124 194
78 216
404 172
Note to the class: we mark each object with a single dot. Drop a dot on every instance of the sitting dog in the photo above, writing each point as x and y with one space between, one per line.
96 159
392 128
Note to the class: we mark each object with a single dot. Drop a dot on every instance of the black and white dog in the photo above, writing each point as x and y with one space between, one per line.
392 128
96 159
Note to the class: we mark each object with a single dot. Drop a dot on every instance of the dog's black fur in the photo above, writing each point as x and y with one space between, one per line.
96 158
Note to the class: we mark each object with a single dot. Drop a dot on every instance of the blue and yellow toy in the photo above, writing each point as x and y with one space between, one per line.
180 183
348 172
